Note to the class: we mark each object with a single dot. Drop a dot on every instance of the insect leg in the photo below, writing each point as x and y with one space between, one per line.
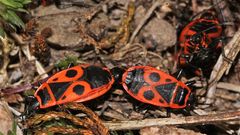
169 110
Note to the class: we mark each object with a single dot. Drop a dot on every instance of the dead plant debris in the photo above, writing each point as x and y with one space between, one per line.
112 33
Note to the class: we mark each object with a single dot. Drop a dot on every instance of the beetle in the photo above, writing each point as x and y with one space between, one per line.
199 43
155 87
76 84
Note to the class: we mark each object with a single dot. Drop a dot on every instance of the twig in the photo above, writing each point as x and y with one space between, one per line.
63 130
231 50
18 39
91 123
15 112
53 115
93 117
229 97
204 119
25 48
144 20
6 48
222 85
229 86
41 71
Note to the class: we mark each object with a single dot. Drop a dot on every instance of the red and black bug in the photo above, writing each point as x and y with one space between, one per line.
152 86
77 84
199 42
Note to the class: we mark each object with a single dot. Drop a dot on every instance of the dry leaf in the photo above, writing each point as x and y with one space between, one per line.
6 119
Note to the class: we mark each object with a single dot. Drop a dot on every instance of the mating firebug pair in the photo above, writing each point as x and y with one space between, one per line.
199 43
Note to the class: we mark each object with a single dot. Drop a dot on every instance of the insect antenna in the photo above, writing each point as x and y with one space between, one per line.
168 112
190 83
178 74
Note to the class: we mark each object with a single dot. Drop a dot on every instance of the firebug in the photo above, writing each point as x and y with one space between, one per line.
76 84
153 86
200 43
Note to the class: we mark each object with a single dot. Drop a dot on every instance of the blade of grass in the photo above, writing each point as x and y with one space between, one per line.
11 3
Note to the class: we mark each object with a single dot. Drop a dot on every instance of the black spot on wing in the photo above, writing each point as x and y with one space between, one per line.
161 100
168 80
166 91
149 95
55 79
64 97
78 89
155 77
44 95
96 76
71 73
181 96
59 88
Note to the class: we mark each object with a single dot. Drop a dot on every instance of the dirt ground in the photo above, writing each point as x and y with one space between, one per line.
110 33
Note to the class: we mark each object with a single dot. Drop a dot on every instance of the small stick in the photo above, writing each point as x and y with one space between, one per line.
232 49
222 85
40 68
63 130
198 120
229 86
18 39
4 41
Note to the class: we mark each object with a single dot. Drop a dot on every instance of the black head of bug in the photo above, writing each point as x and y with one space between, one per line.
197 38
117 74
192 98
189 105
31 105
191 101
